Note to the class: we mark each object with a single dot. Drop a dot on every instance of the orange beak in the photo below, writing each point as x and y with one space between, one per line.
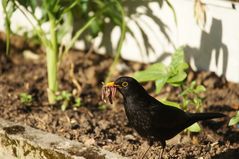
110 84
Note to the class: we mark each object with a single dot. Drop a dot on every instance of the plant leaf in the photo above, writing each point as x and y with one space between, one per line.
28 3
186 102
178 61
200 89
170 103
154 72
177 68
96 27
179 77
160 83
177 84
194 128
234 120
8 9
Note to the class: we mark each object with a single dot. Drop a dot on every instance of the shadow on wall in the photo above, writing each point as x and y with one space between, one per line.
210 42
149 25
134 13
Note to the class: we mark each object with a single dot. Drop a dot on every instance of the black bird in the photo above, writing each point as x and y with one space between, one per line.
152 119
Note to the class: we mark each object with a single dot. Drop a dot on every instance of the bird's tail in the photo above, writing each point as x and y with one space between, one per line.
205 116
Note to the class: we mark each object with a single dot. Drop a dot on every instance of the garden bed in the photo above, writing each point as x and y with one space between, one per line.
94 123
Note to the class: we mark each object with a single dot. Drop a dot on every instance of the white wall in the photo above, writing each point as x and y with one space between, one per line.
215 48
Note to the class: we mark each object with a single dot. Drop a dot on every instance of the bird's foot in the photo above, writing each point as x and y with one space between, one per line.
144 148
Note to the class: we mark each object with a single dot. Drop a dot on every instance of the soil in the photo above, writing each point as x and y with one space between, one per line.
105 125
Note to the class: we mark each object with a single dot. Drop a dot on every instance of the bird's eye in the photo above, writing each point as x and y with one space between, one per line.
125 84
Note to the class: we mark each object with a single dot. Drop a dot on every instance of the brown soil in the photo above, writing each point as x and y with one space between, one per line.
95 124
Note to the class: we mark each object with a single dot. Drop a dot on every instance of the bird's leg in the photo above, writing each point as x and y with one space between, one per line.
143 155
163 144
161 154
149 144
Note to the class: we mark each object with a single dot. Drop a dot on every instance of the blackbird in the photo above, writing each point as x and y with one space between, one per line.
152 119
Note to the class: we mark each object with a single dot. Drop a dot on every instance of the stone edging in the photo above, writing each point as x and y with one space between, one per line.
23 142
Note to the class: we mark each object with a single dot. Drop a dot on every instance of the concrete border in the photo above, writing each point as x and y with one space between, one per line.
23 142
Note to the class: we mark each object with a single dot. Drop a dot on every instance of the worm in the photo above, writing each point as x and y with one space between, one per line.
108 93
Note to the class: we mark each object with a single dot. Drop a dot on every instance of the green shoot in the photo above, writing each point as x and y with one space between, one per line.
170 103
194 128
66 99
234 120
25 99
57 14
191 96
102 107
8 9
77 102
173 74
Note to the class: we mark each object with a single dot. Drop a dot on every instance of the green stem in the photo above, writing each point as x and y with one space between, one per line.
7 15
40 32
84 27
52 61
120 43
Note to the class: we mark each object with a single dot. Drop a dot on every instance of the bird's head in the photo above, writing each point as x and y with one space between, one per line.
127 86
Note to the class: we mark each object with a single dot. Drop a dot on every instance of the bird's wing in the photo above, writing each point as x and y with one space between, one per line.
167 116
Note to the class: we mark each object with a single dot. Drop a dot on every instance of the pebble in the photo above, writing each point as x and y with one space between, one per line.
129 137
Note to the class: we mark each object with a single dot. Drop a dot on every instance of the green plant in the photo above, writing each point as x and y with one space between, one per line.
174 74
77 102
25 98
8 9
191 96
102 107
234 120
60 16
59 19
66 98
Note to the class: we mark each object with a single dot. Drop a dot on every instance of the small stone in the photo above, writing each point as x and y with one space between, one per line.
90 141
130 137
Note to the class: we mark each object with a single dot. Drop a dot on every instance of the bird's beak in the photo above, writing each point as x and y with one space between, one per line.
111 84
